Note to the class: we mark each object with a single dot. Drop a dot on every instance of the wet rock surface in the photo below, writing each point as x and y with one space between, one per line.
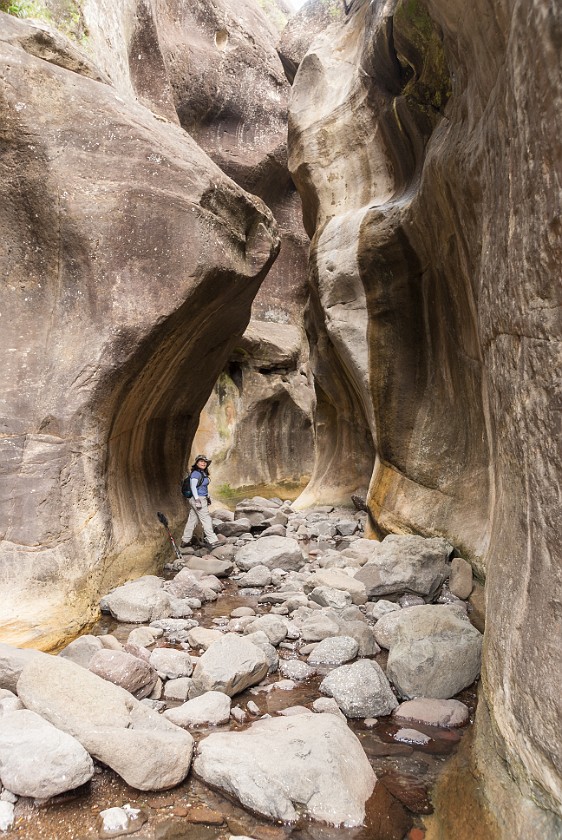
286 694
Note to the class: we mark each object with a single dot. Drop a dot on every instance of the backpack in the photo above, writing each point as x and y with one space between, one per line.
186 485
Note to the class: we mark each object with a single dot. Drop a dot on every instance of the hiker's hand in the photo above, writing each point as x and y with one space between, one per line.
209 502
198 505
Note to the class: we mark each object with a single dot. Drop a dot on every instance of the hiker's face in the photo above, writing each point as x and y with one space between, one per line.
201 464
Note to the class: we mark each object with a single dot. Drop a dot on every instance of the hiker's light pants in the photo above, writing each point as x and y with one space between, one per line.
201 515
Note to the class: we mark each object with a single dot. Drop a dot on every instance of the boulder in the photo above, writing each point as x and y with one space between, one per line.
235 528
386 628
406 564
186 584
460 581
273 552
361 550
179 689
144 636
432 712
6 815
294 669
238 612
138 601
255 510
346 527
260 639
126 670
273 626
328 705
230 665
329 597
273 531
338 579
257 576
211 708
171 664
435 653
82 649
334 651
280 763
147 751
202 637
361 689
363 635
377 609
9 702
39 760
317 627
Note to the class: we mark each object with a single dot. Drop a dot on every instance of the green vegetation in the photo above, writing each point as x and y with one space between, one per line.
64 15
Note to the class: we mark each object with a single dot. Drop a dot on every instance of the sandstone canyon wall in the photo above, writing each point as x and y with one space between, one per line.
257 424
424 140
129 264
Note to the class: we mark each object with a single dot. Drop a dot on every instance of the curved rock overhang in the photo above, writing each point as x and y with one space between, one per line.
424 141
129 262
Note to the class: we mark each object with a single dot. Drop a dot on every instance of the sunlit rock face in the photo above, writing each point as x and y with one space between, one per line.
425 145
129 264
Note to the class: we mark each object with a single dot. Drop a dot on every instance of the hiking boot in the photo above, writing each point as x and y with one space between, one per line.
186 544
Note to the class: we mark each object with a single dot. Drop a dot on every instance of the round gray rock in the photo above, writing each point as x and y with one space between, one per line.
361 689
211 708
273 552
334 651
230 665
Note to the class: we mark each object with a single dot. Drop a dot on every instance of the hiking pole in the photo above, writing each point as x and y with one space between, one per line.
164 522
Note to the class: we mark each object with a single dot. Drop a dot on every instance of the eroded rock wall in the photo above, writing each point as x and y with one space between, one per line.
231 94
424 143
129 264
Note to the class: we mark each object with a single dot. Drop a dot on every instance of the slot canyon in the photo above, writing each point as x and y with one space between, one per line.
320 242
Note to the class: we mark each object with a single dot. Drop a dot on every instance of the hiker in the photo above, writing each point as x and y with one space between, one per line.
196 488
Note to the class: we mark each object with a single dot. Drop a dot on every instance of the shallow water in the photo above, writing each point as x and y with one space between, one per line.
406 774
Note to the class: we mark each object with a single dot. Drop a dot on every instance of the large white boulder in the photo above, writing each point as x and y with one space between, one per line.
338 579
171 664
211 708
230 665
334 651
311 760
435 652
147 751
138 601
273 552
39 760
406 564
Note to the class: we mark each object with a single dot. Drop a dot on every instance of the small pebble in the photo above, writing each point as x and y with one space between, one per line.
238 714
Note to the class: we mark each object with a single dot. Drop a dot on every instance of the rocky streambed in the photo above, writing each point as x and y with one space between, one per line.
298 681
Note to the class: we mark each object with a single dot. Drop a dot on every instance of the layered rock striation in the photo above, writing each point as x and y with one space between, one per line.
424 145
129 263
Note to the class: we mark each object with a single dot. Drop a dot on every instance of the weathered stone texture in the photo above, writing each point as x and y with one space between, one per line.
129 262
425 144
